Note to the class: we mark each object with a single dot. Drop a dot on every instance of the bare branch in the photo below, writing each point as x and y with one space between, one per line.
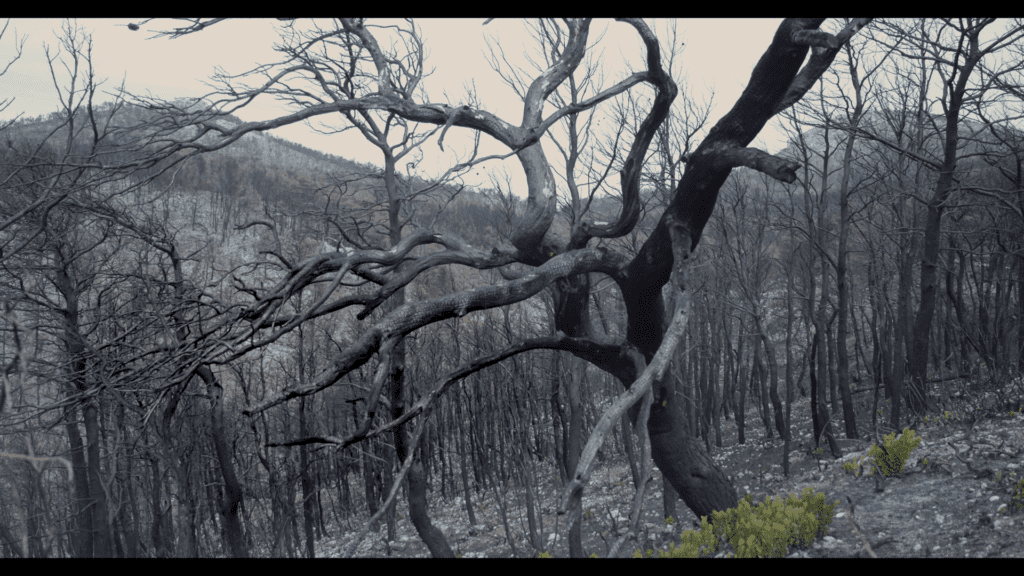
774 166
821 58
411 316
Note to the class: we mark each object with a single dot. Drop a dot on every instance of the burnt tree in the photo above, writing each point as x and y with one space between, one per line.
546 258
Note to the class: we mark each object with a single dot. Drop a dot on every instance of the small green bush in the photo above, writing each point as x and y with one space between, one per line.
894 453
1017 501
766 530
854 467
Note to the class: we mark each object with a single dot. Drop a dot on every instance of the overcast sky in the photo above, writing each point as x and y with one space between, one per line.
719 56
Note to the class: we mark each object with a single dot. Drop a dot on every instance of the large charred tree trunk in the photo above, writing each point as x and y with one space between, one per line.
776 83
570 304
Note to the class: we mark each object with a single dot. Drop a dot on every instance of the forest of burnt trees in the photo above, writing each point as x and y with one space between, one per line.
217 343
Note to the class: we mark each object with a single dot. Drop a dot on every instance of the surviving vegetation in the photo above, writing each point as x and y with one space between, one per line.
216 342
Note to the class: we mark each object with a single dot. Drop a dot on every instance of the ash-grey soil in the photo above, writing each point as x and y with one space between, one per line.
947 508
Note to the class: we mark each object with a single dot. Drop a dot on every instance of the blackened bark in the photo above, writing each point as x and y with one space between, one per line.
81 533
787 438
418 511
695 476
570 299
431 535
535 521
573 447
98 542
467 492
304 476
819 406
102 533
701 484
1020 315
741 384
186 537
773 388
918 361
627 443
158 535
815 420
842 353
232 500
759 377
668 498
903 334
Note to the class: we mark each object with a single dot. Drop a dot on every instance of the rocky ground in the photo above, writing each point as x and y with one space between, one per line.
947 508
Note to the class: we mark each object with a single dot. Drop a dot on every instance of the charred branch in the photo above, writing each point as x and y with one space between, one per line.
776 79
774 166
412 316
666 92
617 358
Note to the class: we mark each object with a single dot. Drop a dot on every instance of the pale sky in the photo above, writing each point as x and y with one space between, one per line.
719 56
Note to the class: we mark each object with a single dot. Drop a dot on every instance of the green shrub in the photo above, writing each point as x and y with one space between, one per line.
766 530
894 452
1017 501
854 467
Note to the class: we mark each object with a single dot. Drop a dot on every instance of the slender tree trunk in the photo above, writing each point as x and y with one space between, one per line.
573 449
570 307
819 406
534 518
631 456
668 498
305 479
128 512
759 380
716 411
158 535
742 383
1020 314
304 475
842 352
102 540
84 456
463 466
231 503
902 335
773 390
82 533
787 438
918 361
